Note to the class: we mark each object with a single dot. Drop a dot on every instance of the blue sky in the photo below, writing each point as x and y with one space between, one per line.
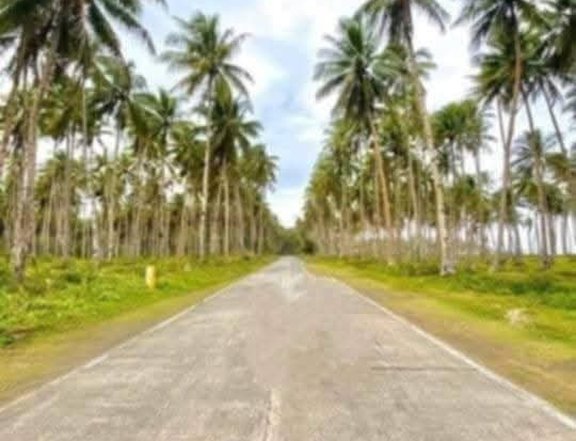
285 36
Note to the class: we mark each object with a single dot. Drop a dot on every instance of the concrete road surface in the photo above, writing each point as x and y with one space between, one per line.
282 356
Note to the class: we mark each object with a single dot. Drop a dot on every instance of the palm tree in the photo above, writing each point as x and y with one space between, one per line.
530 151
563 170
460 128
58 36
258 171
501 20
205 53
115 83
188 151
395 19
231 133
349 69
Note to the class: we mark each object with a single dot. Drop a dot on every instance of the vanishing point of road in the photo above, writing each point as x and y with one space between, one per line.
283 356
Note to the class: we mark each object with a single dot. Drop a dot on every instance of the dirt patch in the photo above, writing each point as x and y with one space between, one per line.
567 366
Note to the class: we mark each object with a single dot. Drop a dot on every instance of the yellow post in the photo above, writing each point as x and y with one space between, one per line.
151 277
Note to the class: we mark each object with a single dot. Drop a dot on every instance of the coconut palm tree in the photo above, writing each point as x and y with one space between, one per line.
349 69
530 151
502 20
205 54
258 170
231 133
60 35
395 20
115 84
188 151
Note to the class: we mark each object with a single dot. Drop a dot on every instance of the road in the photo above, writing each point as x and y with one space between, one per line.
282 356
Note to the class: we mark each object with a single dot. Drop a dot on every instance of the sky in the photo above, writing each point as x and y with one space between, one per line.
280 53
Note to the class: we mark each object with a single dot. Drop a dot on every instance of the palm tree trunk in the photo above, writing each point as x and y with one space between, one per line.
24 210
415 206
480 224
517 240
507 150
240 219
46 223
363 216
136 241
253 230
88 153
384 191
203 230
226 210
111 195
555 123
538 175
377 213
215 231
68 192
260 230
446 263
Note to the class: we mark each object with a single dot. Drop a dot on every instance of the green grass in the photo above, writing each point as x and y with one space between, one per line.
59 296
470 310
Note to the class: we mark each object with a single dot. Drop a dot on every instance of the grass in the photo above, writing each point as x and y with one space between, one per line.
470 309
67 312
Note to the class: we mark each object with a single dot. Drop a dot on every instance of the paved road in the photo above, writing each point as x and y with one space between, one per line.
282 356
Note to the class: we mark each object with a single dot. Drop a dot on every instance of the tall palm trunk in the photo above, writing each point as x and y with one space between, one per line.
136 240
215 238
260 231
183 231
508 151
91 193
66 230
446 263
226 210
24 218
253 229
480 224
538 175
203 228
564 150
111 236
414 202
555 123
344 226
384 192
240 225
377 212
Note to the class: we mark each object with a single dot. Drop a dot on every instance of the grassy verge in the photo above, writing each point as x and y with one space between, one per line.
68 312
520 322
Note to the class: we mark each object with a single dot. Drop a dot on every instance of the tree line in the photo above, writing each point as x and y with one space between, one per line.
95 164
401 183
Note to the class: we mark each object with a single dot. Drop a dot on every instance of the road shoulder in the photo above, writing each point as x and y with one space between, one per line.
526 361
25 367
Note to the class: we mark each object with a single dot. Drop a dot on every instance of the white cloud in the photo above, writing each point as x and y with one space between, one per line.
265 73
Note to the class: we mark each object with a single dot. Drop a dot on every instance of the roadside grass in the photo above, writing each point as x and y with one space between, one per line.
471 310
68 312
